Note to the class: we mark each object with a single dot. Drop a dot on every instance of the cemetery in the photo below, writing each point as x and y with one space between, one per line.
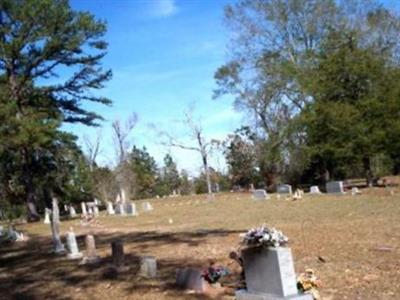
202 149
350 243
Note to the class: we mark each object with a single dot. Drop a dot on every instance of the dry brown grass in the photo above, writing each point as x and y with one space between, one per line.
346 231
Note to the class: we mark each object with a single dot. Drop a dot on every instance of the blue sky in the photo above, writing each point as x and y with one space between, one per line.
163 54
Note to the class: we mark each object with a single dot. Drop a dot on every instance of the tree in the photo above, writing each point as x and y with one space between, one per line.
275 46
352 87
171 174
145 168
202 145
241 158
39 41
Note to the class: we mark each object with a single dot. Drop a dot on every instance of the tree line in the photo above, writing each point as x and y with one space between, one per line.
316 79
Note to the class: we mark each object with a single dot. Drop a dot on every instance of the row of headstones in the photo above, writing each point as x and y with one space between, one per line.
333 187
126 209
148 264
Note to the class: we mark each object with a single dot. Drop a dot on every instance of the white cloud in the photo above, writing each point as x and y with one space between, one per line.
163 8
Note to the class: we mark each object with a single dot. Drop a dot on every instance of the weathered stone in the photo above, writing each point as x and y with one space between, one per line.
72 246
190 279
110 208
120 209
148 267
334 187
284 189
72 212
147 206
315 189
46 216
55 227
91 256
130 209
117 249
260 194
96 211
269 274
83 207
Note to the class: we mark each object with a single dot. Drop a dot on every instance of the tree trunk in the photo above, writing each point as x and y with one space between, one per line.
55 227
207 171
368 172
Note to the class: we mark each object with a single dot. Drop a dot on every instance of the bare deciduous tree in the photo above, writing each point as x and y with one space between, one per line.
124 173
202 145
93 148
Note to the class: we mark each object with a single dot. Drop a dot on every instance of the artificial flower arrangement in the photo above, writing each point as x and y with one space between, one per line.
264 236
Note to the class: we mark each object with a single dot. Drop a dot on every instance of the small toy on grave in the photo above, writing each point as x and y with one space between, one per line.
214 273
308 283
264 236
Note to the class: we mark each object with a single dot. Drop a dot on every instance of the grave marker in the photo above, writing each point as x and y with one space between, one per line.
334 187
148 267
117 249
91 255
46 216
72 212
190 279
260 194
269 275
284 189
110 208
315 190
72 246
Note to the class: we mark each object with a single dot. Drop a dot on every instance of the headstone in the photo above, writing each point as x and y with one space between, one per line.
72 246
190 279
46 216
55 227
148 267
118 198
83 207
120 208
260 194
315 189
110 208
130 209
334 187
123 196
72 212
96 211
90 211
65 207
91 256
269 274
147 206
284 189
97 202
117 249
355 191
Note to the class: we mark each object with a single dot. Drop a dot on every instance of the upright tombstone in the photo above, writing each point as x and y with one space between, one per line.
90 211
55 227
147 206
118 198
46 216
120 208
315 190
260 194
355 191
72 246
284 189
110 208
130 209
269 274
96 211
190 279
83 207
91 256
72 212
334 187
148 267
117 250
123 195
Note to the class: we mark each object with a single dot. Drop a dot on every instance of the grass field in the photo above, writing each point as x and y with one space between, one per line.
358 237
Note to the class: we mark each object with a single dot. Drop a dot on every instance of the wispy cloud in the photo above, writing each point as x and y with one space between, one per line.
163 8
